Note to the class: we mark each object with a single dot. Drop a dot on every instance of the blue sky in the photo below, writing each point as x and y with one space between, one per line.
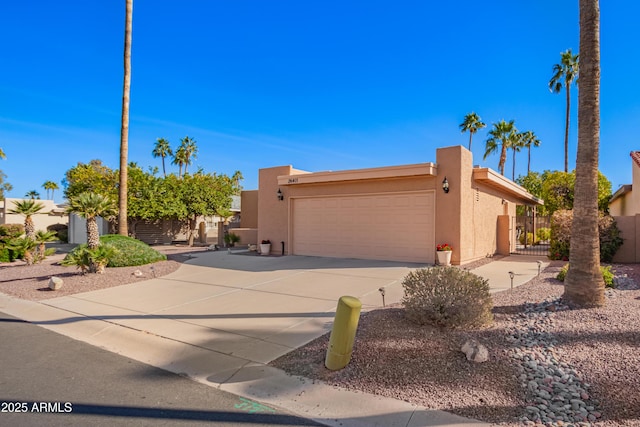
321 85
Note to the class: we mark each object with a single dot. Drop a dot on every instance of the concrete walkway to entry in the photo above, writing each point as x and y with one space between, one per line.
222 317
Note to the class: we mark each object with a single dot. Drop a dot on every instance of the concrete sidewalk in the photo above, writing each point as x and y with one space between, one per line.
221 318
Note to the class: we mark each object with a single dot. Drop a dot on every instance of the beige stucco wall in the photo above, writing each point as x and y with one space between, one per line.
41 220
621 205
466 217
629 227
249 209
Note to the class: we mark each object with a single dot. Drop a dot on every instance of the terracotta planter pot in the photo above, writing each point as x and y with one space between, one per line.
444 257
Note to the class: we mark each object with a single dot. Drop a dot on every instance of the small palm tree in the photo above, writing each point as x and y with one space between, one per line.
162 149
564 74
90 206
33 194
472 124
501 135
24 246
42 237
50 186
28 208
529 139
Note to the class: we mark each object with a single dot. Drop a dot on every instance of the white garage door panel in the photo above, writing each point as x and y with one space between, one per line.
390 227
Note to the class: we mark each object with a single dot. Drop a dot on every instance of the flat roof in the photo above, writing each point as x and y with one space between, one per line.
419 169
493 179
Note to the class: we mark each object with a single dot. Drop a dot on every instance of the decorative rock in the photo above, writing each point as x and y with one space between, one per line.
55 283
475 351
138 273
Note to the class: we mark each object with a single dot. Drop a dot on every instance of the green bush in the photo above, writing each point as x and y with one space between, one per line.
130 251
231 239
607 275
126 252
448 297
609 233
529 238
543 233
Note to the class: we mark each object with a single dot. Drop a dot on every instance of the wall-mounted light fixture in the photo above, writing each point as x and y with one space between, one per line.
280 195
445 185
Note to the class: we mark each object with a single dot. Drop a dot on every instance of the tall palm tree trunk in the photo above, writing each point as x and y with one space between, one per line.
29 228
470 136
124 128
566 130
528 159
164 171
584 286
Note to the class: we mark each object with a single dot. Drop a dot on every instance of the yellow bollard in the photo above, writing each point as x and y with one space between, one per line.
343 333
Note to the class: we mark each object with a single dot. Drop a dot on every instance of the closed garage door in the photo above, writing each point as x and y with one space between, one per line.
397 227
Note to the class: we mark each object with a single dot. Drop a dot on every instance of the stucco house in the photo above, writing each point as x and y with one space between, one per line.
52 214
397 213
624 202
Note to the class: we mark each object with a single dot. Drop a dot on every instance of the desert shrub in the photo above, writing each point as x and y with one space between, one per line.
90 259
231 239
543 233
9 232
448 297
607 275
609 233
130 251
529 238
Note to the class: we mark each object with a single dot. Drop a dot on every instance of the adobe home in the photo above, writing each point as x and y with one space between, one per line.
396 213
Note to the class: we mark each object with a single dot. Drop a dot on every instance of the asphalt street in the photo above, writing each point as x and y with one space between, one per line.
49 379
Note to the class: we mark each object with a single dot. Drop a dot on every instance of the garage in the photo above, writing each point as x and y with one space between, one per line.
395 226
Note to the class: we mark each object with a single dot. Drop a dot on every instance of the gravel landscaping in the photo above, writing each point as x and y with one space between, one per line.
548 364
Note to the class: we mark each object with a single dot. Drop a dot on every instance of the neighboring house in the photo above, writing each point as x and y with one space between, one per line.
624 201
397 213
624 206
51 215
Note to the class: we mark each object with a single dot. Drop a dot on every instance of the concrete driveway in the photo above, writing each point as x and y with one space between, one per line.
221 311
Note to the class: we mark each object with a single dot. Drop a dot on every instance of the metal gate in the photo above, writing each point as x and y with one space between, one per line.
532 234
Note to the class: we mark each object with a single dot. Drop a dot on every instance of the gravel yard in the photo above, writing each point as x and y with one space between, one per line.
547 363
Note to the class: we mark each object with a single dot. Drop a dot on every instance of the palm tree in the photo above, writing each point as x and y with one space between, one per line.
124 127
516 143
565 73
90 206
583 285
162 149
33 194
27 208
2 155
502 134
472 124
41 238
188 145
50 186
529 139
179 158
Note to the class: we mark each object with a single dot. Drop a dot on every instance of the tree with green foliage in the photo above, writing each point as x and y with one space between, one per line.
162 149
27 208
584 284
93 177
556 188
50 186
204 195
2 155
529 139
472 124
564 74
501 137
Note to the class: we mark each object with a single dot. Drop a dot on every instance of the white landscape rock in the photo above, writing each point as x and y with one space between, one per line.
138 273
475 351
55 283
